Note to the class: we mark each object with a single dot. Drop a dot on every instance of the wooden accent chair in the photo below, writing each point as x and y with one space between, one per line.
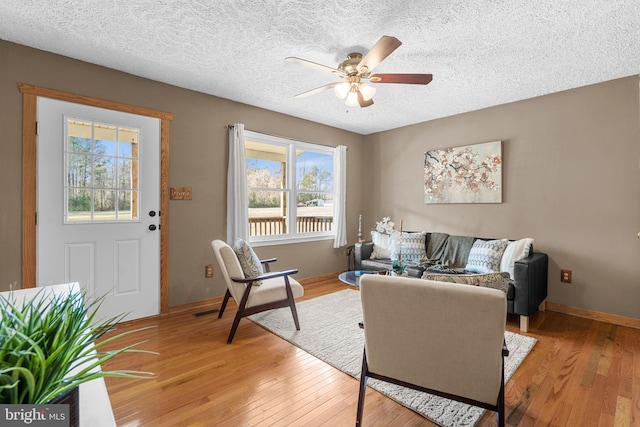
276 290
445 339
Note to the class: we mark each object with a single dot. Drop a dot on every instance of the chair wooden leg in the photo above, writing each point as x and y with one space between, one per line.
501 411
224 303
294 312
292 303
240 313
236 322
363 389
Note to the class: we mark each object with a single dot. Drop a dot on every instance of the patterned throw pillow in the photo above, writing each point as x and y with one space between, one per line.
485 256
490 280
382 245
249 261
413 247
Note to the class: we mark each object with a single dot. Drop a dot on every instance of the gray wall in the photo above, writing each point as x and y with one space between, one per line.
198 156
571 180
571 177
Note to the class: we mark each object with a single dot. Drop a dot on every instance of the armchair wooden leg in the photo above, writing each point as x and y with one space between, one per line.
240 313
363 390
292 303
294 312
501 411
224 303
236 322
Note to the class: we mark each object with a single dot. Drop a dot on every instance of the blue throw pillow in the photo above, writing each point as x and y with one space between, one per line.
485 256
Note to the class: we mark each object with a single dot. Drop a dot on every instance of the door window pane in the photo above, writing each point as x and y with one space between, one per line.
79 201
104 172
79 170
104 205
102 166
124 173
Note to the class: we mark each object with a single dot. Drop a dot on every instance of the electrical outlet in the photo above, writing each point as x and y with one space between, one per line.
565 276
208 271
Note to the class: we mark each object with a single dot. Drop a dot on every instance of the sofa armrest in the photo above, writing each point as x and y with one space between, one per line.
362 251
530 283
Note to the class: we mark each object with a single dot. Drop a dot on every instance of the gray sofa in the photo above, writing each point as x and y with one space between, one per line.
527 289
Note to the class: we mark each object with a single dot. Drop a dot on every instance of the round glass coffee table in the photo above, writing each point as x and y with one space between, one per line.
353 277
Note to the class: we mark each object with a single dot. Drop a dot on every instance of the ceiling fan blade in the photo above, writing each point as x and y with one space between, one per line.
317 90
363 102
412 79
385 47
315 66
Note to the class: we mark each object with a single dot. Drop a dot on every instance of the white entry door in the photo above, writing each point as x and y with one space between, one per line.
98 201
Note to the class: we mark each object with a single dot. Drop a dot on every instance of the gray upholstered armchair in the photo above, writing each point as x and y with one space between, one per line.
441 338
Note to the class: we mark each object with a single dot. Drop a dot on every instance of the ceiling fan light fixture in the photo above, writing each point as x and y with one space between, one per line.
367 91
357 69
352 99
341 90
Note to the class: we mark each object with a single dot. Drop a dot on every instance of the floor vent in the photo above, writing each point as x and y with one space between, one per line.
204 313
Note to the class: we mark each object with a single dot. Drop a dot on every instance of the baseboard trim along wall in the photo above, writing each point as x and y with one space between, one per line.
594 315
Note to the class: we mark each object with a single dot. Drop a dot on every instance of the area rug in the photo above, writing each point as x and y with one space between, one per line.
329 331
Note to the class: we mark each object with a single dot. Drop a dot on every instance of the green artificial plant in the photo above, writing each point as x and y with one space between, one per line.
48 347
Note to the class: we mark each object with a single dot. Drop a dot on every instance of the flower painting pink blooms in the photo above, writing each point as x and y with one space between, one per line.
469 174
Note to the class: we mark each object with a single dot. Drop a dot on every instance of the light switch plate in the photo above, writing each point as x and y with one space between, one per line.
180 193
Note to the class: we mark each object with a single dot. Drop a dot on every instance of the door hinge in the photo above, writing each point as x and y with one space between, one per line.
36 128
36 218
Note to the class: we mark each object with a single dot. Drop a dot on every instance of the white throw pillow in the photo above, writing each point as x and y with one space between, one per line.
485 256
515 251
382 245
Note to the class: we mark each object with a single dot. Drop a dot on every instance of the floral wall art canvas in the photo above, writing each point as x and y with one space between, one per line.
469 174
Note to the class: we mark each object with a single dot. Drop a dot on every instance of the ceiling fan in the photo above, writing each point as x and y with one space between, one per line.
355 71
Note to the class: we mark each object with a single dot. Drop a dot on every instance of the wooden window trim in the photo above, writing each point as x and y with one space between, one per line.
30 94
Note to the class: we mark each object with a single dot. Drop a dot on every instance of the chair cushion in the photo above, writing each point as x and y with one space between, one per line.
515 251
485 256
249 261
490 280
412 247
382 245
273 290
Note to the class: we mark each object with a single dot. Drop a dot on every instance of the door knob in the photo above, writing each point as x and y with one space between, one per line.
152 227
152 213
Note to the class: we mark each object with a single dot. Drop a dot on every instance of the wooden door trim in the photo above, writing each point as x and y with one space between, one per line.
30 94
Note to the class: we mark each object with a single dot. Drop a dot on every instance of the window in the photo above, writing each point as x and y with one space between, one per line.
101 162
290 187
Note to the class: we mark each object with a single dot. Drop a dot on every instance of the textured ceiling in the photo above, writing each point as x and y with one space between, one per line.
480 52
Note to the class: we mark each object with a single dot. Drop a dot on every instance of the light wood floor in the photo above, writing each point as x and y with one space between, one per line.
580 373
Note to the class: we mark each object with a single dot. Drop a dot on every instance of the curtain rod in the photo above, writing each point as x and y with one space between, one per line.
229 127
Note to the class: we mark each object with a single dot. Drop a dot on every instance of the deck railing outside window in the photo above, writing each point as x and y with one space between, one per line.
266 226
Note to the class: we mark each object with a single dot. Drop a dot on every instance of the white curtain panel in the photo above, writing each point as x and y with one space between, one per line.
237 200
339 204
